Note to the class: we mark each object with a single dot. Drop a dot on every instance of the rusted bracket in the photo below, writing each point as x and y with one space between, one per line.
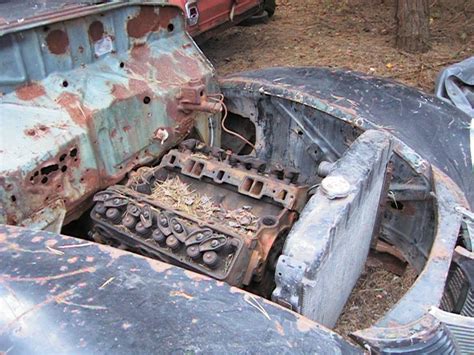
193 97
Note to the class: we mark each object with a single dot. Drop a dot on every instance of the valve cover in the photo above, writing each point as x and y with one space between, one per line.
206 209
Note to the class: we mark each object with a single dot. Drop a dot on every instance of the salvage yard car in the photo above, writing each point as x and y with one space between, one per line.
207 17
149 206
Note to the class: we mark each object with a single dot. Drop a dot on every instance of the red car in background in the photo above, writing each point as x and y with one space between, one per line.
205 17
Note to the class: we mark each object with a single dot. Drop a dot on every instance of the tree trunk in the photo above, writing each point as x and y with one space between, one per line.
413 25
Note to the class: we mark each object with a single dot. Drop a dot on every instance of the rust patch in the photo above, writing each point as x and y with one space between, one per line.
234 289
43 279
196 277
279 328
113 133
140 86
158 266
166 15
181 294
304 324
58 42
72 104
37 131
30 92
146 21
37 239
114 253
96 31
149 21
188 65
72 260
140 52
120 92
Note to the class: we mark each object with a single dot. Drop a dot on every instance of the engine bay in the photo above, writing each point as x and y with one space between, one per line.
279 181
205 209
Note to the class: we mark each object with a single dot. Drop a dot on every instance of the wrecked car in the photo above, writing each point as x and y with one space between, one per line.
148 204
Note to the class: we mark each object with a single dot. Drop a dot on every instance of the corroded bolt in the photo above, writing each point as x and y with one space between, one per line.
116 201
199 237
214 243
193 252
158 236
178 228
141 229
129 221
100 208
210 258
164 222
114 215
172 242
133 209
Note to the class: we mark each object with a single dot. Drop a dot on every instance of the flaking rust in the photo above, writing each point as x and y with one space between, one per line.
110 106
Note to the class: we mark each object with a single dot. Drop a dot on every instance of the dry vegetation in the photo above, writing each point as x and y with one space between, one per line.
358 35
354 34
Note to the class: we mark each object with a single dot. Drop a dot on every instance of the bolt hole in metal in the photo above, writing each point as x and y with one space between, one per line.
65 83
269 221
146 100
397 205
122 65
170 27
73 152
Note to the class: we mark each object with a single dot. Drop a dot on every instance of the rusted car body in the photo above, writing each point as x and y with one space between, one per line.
116 130
202 16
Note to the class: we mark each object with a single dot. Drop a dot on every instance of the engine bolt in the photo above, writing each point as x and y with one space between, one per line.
116 201
178 228
172 242
100 208
129 221
193 252
114 215
199 237
214 243
141 229
158 236
164 221
210 258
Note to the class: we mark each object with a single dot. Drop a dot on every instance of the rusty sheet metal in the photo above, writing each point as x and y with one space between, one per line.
424 126
81 107
63 295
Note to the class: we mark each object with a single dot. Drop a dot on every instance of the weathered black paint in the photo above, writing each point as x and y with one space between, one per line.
64 295
436 130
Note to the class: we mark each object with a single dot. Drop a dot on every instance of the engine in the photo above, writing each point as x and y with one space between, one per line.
206 209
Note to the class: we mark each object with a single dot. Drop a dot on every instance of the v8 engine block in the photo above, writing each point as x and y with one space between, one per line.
205 209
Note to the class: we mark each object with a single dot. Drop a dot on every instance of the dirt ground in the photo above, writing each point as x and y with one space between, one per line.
357 35
353 34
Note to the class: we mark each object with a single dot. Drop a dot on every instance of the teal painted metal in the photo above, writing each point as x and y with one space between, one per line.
85 100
